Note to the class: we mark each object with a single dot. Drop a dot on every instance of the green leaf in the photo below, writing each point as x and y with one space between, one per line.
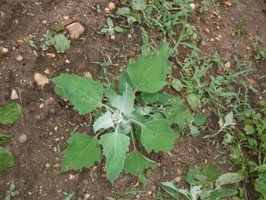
229 119
125 103
139 4
184 116
123 11
115 146
84 93
69 196
200 119
177 85
82 151
194 131
158 135
210 172
191 175
6 159
222 193
118 29
260 169
4 139
109 22
10 113
148 73
171 189
103 122
260 186
193 101
136 163
228 178
61 43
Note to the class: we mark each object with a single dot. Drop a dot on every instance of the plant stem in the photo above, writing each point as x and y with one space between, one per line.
107 107
133 139
133 120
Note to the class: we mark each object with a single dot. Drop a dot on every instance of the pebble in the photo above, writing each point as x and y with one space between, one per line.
178 179
41 80
71 177
66 17
47 165
87 74
41 105
22 138
112 37
47 71
14 95
227 65
44 22
67 61
75 30
111 6
4 50
87 196
50 55
19 58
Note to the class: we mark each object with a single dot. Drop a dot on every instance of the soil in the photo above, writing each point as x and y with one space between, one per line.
48 121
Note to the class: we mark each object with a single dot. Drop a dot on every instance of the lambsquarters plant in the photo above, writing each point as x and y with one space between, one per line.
122 121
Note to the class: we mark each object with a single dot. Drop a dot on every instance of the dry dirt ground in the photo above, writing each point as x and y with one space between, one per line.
47 121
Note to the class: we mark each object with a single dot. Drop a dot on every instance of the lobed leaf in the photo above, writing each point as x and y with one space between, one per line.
158 135
136 163
115 145
10 113
103 122
84 93
222 193
148 73
124 103
82 152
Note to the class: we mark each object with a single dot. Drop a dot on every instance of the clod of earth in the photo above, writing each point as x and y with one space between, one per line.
4 50
41 80
19 58
75 30
14 95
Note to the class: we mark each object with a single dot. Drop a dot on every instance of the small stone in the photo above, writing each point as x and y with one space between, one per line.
14 95
47 71
111 6
66 17
67 61
107 10
212 40
19 58
129 36
192 5
50 55
75 30
87 74
112 37
55 128
207 30
41 80
178 179
44 22
87 196
41 105
22 138
4 50
71 177
227 65
228 3
47 165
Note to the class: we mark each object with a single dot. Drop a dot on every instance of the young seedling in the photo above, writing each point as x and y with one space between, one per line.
205 183
110 29
120 122
59 41
8 115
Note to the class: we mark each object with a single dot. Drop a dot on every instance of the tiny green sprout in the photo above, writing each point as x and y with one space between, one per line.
110 29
